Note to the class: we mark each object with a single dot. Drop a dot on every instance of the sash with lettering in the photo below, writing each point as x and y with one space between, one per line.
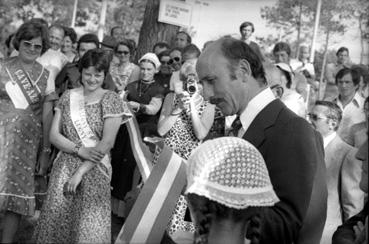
153 208
22 90
87 136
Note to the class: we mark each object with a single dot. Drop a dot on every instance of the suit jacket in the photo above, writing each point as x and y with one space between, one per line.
294 155
336 152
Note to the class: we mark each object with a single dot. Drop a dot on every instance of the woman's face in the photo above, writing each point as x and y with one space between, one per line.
246 32
148 71
123 53
30 50
67 44
92 79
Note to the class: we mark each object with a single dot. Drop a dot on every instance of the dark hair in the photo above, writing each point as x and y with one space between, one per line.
354 74
160 45
163 53
40 21
9 39
245 24
58 27
211 208
235 50
71 33
88 38
191 49
282 46
334 112
125 43
189 39
29 30
342 49
96 58
115 27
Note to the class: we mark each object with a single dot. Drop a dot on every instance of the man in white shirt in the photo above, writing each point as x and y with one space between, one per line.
53 59
233 79
351 103
345 198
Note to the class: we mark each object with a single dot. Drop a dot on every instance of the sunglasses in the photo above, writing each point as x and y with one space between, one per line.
314 117
29 45
175 59
122 52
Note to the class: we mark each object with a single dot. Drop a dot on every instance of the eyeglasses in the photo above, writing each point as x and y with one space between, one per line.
28 45
122 52
314 117
175 59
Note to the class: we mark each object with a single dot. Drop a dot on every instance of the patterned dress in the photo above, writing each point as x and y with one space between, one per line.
20 136
182 139
85 216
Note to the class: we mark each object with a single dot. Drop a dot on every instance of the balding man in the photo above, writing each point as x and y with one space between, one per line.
233 79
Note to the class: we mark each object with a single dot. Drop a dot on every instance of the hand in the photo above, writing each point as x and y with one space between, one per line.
71 185
359 230
135 106
184 101
43 163
91 154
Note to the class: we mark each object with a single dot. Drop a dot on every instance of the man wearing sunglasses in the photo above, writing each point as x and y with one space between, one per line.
345 198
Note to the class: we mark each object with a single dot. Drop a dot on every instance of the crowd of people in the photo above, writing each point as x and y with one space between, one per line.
273 156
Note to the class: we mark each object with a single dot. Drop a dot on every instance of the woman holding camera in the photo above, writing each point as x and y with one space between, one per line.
185 120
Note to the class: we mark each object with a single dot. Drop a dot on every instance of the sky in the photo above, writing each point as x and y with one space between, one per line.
214 18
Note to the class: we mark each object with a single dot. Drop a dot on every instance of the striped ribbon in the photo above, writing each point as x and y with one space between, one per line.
141 152
150 215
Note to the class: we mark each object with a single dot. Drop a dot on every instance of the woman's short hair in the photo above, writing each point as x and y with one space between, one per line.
191 49
95 58
126 43
282 46
235 50
71 33
245 24
30 30
355 74
342 49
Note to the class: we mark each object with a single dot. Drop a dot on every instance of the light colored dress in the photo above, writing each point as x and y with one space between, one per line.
20 133
85 216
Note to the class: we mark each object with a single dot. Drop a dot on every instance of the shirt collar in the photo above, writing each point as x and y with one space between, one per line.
328 139
355 101
255 106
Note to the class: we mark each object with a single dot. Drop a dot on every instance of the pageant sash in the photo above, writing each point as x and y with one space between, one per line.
79 119
22 84
153 208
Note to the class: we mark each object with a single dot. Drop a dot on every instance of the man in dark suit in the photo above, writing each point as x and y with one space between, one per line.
233 78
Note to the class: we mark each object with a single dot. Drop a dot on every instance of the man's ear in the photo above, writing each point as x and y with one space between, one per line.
244 67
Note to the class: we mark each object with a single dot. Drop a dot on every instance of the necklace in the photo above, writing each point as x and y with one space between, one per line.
143 87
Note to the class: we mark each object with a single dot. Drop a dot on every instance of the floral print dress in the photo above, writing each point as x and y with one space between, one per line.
85 216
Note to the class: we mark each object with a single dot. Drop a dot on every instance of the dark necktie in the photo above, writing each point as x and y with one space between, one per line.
236 126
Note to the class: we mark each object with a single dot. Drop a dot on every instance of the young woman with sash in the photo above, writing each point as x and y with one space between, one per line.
26 99
77 206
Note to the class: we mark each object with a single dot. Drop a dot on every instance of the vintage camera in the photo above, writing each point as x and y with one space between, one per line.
190 84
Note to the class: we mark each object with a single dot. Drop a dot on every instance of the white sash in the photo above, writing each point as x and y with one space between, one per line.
79 119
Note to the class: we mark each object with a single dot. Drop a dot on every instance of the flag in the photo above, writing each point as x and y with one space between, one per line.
153 208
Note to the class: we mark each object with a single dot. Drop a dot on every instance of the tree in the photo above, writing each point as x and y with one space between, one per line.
153 31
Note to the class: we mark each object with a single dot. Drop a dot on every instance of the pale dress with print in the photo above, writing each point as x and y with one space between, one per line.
84 217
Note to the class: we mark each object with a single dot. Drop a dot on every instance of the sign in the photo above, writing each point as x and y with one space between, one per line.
175 12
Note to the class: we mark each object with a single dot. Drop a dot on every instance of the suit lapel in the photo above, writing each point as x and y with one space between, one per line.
255 134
